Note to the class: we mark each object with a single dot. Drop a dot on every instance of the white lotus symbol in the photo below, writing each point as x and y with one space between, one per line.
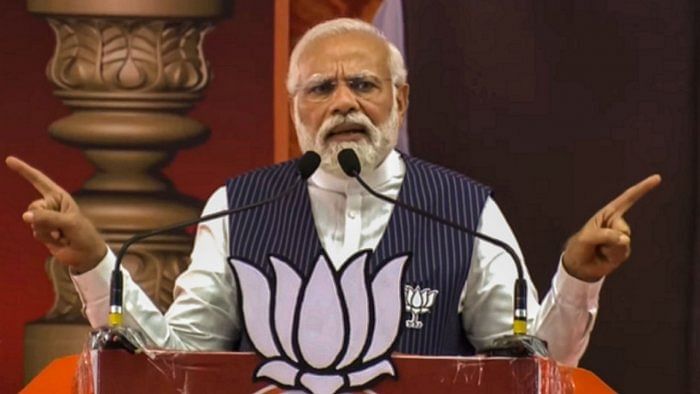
333 332
418 301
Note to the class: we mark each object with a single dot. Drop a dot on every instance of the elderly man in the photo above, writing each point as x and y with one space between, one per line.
348 89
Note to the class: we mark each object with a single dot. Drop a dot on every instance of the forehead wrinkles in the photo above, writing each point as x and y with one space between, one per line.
356 50
349 64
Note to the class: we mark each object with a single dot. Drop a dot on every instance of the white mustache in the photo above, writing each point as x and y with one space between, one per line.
355 118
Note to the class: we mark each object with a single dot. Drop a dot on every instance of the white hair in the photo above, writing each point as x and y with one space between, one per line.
335 27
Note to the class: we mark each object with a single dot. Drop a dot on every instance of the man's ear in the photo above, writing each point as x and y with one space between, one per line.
402 99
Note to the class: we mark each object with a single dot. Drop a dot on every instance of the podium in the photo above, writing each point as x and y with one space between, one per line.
116 371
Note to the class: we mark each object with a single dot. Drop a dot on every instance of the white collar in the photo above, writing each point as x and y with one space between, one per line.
392 167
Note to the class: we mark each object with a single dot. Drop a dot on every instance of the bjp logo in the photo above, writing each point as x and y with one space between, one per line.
333 332
418 301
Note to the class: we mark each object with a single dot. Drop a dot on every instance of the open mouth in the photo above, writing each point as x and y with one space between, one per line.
347 131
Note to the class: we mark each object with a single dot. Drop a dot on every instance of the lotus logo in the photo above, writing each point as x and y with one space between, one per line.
418 301
335 331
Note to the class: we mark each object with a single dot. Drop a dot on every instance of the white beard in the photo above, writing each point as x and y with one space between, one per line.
372 152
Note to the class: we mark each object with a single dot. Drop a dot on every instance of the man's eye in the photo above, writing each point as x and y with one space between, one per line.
321 88
361 85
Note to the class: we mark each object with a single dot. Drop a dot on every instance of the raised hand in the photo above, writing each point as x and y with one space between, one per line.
57 222
603 243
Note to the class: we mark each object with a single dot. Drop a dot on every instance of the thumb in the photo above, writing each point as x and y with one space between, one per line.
603 236
619 251
48 219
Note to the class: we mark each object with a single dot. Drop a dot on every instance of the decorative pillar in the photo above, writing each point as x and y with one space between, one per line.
129 70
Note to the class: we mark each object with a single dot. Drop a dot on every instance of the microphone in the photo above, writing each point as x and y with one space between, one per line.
306 166
519 344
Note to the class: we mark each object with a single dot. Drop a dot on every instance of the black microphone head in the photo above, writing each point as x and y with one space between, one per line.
349 162
308 164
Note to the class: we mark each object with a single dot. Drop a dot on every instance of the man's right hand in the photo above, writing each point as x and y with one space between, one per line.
57 222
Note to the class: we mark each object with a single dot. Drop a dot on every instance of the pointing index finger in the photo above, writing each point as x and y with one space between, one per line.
629 197
38 179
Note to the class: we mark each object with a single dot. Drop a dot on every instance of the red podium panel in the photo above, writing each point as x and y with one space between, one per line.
114 371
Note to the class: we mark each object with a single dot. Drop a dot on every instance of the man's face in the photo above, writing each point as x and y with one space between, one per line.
346 99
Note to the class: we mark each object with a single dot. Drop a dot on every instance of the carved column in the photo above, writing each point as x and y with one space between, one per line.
129 70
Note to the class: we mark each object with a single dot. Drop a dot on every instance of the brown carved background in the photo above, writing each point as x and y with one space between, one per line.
237 108
560 105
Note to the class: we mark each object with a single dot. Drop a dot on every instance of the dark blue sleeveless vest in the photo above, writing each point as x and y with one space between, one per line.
440 255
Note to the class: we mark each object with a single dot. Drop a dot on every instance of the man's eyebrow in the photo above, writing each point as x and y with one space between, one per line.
317 78
363 74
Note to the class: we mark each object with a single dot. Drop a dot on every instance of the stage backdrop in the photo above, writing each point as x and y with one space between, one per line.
559 106
237 107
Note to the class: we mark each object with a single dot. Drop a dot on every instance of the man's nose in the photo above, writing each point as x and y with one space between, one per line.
344 100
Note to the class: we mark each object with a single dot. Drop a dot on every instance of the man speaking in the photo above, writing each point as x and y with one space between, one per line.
347 89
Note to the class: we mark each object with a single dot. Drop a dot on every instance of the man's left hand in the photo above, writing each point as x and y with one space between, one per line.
603 243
